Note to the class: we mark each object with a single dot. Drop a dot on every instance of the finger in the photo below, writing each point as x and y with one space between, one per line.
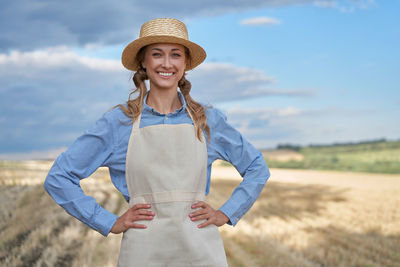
206 223
138 226
142 217
199 204
145 212
200 217
198 212
132 223
141 206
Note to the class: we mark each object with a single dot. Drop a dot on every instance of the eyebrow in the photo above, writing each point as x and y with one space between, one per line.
173 49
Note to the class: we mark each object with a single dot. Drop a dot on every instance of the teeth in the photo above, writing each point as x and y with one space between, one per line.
165 73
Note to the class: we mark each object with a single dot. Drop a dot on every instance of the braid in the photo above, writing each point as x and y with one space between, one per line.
134 106
196 109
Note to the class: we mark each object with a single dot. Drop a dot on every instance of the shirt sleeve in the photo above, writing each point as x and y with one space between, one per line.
228 144
90 151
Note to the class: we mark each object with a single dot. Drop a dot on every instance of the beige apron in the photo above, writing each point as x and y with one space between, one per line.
166 166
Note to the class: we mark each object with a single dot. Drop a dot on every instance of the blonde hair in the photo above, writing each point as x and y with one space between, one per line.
134 106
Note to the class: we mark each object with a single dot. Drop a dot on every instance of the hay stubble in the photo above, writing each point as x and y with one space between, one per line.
302 218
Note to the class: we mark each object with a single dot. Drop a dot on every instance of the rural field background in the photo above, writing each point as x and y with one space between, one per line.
284 73
302 218
379 156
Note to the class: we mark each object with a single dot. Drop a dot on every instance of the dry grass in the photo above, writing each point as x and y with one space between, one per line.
316 218
302 218
36 232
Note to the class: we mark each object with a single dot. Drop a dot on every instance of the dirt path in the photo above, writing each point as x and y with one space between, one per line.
330 178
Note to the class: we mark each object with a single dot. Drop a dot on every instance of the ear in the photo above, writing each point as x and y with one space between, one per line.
187 62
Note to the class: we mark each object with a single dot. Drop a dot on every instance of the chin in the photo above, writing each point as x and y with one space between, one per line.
162 86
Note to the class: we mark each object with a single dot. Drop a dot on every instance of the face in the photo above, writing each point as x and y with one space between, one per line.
165 65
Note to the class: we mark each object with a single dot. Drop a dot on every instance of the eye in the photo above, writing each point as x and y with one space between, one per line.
156 54
176 55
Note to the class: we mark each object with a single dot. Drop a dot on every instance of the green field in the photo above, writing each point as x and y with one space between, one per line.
375 157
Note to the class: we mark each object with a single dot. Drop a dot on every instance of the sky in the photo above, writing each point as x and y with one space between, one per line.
283 71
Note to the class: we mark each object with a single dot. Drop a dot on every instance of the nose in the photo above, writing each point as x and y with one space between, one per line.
166 62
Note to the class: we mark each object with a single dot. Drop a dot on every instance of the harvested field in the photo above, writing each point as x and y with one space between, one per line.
302 218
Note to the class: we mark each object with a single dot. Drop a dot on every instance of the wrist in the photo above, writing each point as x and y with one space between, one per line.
222 217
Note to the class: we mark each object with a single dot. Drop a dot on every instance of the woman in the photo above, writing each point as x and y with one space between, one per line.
159 149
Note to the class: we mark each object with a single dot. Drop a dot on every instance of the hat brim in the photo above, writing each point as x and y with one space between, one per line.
197 53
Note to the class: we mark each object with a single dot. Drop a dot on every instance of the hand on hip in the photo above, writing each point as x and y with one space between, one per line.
206 212
127 220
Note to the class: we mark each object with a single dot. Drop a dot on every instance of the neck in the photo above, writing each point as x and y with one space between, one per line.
164 102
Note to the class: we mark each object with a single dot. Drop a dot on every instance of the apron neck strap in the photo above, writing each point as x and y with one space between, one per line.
189 114
136 124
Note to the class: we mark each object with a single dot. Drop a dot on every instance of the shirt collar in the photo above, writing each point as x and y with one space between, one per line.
147 108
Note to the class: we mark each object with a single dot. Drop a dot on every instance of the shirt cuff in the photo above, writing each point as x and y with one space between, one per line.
231 212
104 221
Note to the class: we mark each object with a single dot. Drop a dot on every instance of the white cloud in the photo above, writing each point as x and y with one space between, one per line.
267 127
216 82
57 57
264 112
31 25
48 97
326 4
260 21
213 82
345 6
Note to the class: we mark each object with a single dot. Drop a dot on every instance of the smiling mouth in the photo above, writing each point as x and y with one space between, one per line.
165 74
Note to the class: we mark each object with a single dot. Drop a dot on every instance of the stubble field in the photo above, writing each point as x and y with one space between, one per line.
302 218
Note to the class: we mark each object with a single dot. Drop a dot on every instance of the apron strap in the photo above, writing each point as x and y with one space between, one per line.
136 124
190 115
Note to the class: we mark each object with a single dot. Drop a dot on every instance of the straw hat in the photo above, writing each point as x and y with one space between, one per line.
164 30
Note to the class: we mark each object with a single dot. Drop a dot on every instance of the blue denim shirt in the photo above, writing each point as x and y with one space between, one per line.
105 144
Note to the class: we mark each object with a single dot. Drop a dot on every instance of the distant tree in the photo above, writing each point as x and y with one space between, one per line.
289 147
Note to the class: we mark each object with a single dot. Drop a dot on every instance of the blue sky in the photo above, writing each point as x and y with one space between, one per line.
300 72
